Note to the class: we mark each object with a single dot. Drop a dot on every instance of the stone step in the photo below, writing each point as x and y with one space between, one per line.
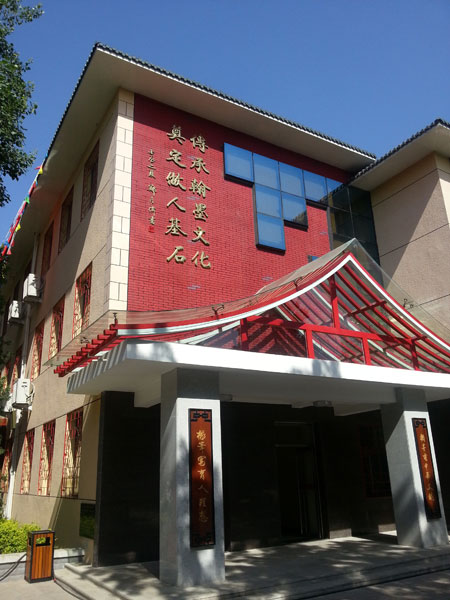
134 582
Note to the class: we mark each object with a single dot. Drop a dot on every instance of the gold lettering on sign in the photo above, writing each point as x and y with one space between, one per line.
198 141
178 257
174 201
199 233
174 227
199 212
175 180
175 134
175 157
199 165
204 264
200 188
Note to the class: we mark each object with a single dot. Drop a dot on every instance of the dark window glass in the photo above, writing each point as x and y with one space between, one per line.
291 180
294 209
268 201
341 222
374 461
66 219
270 232
90 181
238 162
266 171
339 199
363 227
47 250
315 186
360 202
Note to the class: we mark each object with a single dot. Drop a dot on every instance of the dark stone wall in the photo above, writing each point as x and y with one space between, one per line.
127 507
440 423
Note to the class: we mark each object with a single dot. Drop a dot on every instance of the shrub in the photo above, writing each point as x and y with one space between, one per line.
14 535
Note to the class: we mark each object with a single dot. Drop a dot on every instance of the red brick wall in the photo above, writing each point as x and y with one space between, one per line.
238 267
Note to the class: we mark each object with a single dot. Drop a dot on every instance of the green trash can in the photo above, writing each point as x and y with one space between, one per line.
39 561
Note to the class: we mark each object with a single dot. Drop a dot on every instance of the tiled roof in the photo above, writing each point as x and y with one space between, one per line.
181 79
400 146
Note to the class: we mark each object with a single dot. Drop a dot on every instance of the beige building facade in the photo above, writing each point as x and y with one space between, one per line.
73 447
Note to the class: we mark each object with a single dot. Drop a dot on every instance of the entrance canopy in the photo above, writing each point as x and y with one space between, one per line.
332 309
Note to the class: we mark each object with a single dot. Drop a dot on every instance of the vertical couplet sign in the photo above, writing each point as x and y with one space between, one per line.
429 488
201 479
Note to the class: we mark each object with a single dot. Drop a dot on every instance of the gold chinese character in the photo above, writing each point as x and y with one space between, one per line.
203 258
430 497
201 445
201 434
178 257
199 212
175 134
202 502
151 188
201 473
174 201
202 488
198 187
199 233
425 457
175 156
174 227
175 180
199 164
422 437
427 475
199 142
202 516
201 460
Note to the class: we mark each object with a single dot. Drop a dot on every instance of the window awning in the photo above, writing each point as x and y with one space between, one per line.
335 308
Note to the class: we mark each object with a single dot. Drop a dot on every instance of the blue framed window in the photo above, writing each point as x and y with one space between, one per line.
266 171
270 231
238 162
294 209
315 186
280 192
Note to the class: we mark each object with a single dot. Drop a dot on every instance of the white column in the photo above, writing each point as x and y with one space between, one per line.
413 527
181 390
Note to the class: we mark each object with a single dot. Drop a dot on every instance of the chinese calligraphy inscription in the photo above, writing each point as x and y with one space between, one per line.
429 487
202 529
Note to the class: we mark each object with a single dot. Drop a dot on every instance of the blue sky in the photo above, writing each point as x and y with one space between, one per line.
370 73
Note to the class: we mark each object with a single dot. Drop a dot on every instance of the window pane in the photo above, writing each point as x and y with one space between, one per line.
294 209
332 184
360 202
364 229
266 171
270 232
238 162
339 199
315 186
267 201
291 180
341 222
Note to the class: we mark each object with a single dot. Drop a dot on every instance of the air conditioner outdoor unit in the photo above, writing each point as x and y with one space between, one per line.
15 312
31 289
22 394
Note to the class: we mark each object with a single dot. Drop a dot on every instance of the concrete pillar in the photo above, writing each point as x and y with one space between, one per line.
181 390
413 527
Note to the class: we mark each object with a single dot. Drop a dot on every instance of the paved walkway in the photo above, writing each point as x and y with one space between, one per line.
294 571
